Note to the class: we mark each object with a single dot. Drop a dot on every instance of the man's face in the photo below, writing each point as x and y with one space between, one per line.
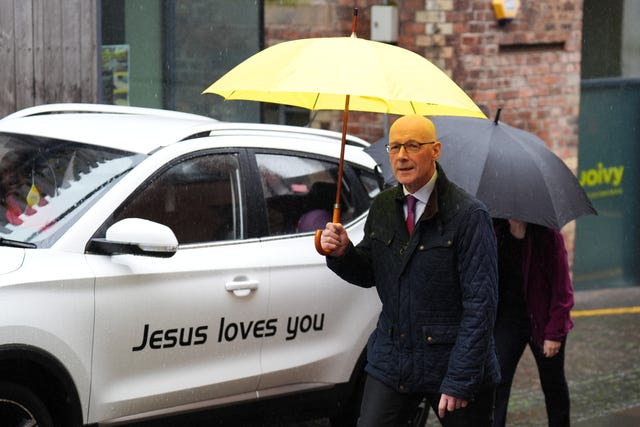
413 169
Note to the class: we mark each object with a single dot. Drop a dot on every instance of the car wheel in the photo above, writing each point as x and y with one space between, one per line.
422 415
20 407
348 416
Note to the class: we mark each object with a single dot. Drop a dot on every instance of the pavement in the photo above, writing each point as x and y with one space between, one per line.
602 366
606 390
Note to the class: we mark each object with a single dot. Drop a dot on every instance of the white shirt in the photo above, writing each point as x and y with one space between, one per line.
422 196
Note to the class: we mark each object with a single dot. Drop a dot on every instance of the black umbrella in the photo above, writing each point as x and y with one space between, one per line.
510 170
378 151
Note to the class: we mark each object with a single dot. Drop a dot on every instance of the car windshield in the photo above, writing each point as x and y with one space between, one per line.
45 183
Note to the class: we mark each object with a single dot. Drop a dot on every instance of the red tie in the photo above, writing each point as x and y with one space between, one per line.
411 212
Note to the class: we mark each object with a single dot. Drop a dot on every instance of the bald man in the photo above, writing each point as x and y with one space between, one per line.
429 249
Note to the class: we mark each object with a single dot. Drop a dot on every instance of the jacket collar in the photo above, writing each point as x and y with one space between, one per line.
433 207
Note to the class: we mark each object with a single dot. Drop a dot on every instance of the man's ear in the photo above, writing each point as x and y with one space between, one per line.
436 147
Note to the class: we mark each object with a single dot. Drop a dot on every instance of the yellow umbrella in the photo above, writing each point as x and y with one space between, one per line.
345 73
318 73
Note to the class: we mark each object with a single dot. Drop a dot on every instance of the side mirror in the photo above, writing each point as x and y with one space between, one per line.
136 236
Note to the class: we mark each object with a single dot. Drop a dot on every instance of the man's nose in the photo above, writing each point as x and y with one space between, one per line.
402 152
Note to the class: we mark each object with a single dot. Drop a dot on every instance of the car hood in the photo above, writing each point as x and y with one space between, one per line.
12 259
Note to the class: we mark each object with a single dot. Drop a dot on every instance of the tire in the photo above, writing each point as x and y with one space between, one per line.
422 415
21 407
348 416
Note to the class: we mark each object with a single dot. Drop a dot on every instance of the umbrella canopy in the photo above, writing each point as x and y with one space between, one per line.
345 73
512 171
318 73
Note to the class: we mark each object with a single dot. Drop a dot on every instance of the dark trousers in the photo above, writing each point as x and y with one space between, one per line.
384 407
512 337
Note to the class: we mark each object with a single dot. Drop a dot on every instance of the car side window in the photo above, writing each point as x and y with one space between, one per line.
199 198
299 193
372 183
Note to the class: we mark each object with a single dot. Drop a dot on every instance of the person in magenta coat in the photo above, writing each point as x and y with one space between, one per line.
534 304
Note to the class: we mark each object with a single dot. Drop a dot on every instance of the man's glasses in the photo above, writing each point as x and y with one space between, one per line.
410 147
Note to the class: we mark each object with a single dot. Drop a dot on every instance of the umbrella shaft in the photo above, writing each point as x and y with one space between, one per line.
343 143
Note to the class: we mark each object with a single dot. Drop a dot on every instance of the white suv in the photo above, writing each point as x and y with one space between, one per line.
157 263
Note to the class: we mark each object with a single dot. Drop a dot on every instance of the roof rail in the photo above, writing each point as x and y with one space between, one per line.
265 127
62 108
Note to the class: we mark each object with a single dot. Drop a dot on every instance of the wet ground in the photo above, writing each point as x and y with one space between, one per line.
602 366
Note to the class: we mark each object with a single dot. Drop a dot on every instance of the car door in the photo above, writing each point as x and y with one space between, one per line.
324 322
186 330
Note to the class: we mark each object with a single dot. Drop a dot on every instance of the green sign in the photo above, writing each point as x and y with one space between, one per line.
607 246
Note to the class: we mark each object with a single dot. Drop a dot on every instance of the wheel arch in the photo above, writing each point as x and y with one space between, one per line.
46 376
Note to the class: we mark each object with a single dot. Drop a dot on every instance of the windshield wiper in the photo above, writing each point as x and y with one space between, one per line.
17 244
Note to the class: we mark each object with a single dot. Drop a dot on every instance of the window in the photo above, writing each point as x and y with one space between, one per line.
161 53
45 184
199 198
300 192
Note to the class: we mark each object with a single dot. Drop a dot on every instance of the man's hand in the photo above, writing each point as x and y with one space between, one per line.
551 348
450 403
334 239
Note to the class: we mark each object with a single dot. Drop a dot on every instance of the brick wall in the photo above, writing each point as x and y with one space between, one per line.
324 18
529 67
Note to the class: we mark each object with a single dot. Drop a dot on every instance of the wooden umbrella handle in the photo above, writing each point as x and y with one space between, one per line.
319 247
318 235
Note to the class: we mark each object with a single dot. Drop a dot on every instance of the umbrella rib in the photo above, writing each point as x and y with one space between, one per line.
315 101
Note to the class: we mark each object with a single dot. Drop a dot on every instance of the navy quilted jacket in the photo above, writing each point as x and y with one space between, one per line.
438 291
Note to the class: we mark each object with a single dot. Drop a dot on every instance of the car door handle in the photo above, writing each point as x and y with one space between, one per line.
241 286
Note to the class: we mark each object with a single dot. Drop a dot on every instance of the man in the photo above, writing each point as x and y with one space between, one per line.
437 284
